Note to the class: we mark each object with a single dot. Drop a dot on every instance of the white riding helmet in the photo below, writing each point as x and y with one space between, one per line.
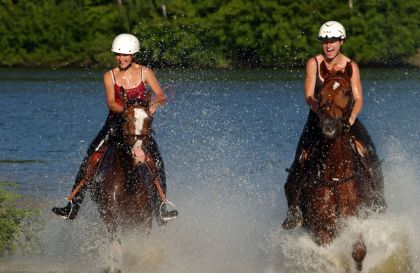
332 29
125 44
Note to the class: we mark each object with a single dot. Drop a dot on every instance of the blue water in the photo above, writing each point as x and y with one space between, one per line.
226 137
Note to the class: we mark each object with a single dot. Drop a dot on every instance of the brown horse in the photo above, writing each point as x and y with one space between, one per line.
123 188
126 184
338 184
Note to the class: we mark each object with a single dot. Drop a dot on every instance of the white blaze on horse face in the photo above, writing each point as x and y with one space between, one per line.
336 85
139 116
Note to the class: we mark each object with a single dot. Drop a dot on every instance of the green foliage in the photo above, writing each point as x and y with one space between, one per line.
18 226
54 33
201 33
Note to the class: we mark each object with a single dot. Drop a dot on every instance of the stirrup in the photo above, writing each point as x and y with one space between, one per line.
167 215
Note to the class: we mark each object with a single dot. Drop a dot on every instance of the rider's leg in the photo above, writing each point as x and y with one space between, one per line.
72 208
366 150
86 172
293 185
159 212
161 177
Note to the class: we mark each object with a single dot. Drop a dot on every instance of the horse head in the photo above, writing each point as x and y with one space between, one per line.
137 126
335 100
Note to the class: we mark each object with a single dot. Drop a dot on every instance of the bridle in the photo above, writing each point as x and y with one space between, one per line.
346 110
343 121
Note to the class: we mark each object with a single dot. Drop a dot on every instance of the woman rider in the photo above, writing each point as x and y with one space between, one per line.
133 77
332 34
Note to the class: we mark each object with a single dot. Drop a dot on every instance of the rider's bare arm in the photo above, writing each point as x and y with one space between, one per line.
357 93
110 94
310 80
159 98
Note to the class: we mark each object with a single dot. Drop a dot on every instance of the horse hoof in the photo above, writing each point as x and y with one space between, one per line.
359 253
294 218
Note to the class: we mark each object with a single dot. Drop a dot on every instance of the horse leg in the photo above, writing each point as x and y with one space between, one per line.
349 203
115 255
359 253
320 208
114 244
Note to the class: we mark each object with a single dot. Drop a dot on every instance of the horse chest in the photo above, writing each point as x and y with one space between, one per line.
335 164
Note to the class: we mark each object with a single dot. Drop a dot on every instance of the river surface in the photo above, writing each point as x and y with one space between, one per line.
226 137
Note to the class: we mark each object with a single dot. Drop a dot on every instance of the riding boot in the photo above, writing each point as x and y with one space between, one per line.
72 208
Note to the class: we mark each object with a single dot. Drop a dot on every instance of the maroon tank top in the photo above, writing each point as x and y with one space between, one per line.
138 92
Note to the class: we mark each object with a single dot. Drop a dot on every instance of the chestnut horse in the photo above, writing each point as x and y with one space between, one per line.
338 182
125 185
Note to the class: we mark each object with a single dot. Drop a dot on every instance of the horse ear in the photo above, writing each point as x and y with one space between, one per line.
348 71
324 70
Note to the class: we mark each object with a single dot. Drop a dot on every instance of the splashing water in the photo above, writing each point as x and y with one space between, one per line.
223 231
225 143
391 239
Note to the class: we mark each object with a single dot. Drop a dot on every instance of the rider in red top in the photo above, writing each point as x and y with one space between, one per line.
133 77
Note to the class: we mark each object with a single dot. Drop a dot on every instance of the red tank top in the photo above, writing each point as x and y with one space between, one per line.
138 92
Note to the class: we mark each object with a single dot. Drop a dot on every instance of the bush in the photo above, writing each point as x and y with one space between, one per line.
18 226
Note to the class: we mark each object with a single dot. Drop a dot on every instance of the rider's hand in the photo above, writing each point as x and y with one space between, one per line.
152 108
313 104
352 119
